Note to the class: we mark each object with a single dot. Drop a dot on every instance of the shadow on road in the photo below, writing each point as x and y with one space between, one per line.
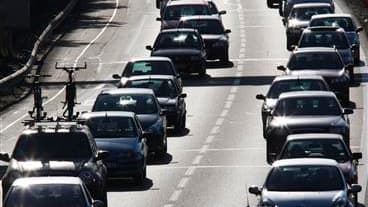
219 65
172 133
196 81
124 185
165 160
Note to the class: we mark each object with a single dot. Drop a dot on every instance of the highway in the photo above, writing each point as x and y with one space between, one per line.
222 151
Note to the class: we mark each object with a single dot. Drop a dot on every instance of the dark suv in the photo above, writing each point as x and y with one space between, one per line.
54 149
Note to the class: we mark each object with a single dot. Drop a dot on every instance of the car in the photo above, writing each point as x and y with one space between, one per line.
49 191
325 62
346 22
144 104
149 66
288 83
174 10
185 47
299 18
169 95
327 36
305 112
305 182
330 146
213 33
121 134
286 5
57 149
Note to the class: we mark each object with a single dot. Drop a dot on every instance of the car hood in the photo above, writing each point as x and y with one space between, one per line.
147 120
49 168
176 52
212 37
169 24
117 145
166 101
298 24
323 73
303 199
309 121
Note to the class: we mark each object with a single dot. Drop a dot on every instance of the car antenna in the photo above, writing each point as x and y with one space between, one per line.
246 193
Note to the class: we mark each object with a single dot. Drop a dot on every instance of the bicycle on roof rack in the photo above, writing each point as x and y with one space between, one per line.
70 90
37 113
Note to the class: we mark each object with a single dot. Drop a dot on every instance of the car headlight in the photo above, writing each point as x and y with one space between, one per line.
195 58
337 130
87 177
219 44
340 202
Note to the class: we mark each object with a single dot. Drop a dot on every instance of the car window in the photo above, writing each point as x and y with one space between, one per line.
315 61
306 106
53 146
174 40
305 178
137 103
205 26
343 22
43 195
161 87
212 7
320 148
324 39
149 68
295 85
178 11
305 14
112 127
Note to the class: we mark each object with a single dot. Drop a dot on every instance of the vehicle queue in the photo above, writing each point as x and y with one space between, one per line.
305 124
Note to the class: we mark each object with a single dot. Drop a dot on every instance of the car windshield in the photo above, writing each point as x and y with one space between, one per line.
148 68
178 11
46 195
315 61
344 22
308 106
137 103
172 40
320 148
205 26
305 14
324 39
112 127
295 85
53 146
305 178
162 87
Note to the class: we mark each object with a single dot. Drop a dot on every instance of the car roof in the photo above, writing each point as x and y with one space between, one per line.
201 17
320 16
297 77
152 58
146 91
178 30
314 136
147 77
187 2
107 114
314 50
47 180
307 5
306 94
304 162
324 28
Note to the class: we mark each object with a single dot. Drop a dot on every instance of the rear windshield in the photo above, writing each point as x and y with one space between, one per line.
344 22
149 68
315 61
173 40
305 14
324 39
295 85
162 87
112 127
176 12
205 26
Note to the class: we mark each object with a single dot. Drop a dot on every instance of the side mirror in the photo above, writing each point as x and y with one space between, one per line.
355 188
149 47
158 19
273 157
281 68
163 112
102 154
293 47
4 157
357 155
116 76
260 97
147 134
222 12
349 66
183 95
98 203
359 29
227 31
254 190
348 111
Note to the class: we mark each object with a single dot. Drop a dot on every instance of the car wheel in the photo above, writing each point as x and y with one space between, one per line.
162 152
103 196
357 56
225 58
270 3
139 179
202 71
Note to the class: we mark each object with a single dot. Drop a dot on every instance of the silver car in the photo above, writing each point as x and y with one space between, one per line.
309 182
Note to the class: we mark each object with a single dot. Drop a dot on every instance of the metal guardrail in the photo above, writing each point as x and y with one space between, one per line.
8 82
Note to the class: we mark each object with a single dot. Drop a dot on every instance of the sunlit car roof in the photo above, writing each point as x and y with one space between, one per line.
152 58
314 136
304 162
107 114
129 91
306 94
187 2
307 5
297 77
47 180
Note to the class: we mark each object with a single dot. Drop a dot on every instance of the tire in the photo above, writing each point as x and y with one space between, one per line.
139 179
103 196
288 43
202 71
225 59
270 3
180 124
357 57
163 150
345 96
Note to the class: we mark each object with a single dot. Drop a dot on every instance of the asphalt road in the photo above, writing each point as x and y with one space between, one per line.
222 151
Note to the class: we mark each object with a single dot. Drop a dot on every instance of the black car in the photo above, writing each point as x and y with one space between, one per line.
57 149
214 34
185 47
299 18
286 5
305 112
288 83
144 104
169 95
50 191
121 134
330 146
325 62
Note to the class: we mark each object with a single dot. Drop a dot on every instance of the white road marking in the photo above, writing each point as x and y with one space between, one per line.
219 121
228 104
214 130
209 139
190 171
234 89
204 149
224 149
183 182
175 196
224 113
209 166
197 160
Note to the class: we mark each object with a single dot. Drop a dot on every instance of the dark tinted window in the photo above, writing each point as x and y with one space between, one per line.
320 106
53 146
295 85
212 7
175 12
61 195
305 14
174 40
137 103
315 61
112 127
161 87
323 148
205 26
324 39
305 178
149 68
343 22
